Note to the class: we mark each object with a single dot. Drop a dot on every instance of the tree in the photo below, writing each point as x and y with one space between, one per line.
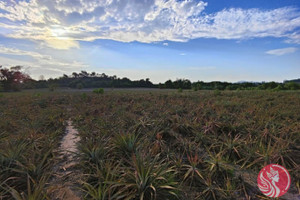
41 77
169 84
74 74
292 86
12 78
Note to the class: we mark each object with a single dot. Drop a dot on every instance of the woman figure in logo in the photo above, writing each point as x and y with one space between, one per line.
268 186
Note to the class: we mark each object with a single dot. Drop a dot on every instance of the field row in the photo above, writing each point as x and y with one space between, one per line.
150 144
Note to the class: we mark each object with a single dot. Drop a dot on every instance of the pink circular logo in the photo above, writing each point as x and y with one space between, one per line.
273 180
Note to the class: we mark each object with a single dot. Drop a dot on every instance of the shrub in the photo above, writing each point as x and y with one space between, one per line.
231 87
37 95
79 86
98 91
292 86
180 90
278 88
52 87
217 92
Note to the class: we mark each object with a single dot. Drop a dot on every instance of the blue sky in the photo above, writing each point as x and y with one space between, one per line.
225 40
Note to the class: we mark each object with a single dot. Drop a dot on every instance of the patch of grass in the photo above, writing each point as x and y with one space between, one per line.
98 91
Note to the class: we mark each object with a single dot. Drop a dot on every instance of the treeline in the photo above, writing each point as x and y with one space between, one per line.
218 85
90 80
13 80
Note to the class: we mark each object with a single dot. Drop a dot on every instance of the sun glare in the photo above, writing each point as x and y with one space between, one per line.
59 40
58 32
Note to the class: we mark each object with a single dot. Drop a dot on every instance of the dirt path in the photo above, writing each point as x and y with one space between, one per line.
66 176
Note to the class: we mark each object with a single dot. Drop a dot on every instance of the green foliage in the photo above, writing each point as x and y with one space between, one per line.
52 87
148 179
279 88
79 86
98 91
27 140
269 86
180 90
232 87
225 129
192 169
125 144
179 83
12 79
194 146
92 154
35 190
37 95
104 187
292 86
217 92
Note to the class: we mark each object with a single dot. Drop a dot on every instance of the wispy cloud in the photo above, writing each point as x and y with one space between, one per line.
283 51
41 61
61 24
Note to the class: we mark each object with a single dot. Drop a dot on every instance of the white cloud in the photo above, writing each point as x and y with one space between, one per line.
40 61
294 38
61 24
166 44
182 54
283 51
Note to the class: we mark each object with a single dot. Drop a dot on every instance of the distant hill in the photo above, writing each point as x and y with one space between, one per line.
294 80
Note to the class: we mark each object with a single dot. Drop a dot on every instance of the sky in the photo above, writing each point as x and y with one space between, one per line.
206 40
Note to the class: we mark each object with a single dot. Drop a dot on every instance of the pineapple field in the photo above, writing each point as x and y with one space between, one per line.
144 144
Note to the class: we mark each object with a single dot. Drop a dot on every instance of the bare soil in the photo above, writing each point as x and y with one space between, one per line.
65 180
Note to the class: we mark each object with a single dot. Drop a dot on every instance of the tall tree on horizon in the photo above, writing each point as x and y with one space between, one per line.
12 78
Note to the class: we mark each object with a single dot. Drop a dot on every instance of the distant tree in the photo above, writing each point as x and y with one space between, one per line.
75 75
182 83
41 78
292 86
268 86
103 75
84 74
12 78
169 84
232 87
